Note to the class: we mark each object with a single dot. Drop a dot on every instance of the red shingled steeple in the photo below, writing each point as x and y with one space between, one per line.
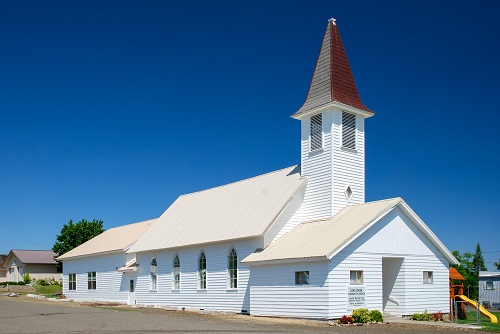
332 79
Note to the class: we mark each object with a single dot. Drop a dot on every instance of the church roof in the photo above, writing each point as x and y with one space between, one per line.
114 239
332 80
324 238
237 210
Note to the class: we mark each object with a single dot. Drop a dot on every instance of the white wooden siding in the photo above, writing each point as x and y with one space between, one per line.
111 284
217 296
395 234
273 291
317 167
348 166
290 217
331 170
392 237
339 279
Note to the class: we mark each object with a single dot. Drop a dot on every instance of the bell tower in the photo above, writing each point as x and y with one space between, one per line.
332 133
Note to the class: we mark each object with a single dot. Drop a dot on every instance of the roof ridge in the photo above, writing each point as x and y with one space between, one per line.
139 222
33 250
239 181
349 206
377 201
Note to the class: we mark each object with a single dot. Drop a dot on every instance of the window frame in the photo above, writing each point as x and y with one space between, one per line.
428 277
232 269
153 274
176 273
489 285
316 133
202 271
302 277
357 278
91 280
349 130
72 282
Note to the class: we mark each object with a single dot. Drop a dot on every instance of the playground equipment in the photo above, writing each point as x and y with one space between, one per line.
457 293
456 289
483 311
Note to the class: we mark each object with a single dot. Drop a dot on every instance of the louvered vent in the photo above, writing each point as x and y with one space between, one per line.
316 132
348 130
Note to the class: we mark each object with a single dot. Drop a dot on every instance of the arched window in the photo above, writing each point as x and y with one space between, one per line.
153 274
232 269
202 271
176 273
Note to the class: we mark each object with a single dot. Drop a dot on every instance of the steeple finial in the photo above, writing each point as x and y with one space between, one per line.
332 79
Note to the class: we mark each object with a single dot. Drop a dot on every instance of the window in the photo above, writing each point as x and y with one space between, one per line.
176 273
356 277
489 286
232 270
91 280
427 277
72 282
348 130
316 132
202 271
301 277
153 274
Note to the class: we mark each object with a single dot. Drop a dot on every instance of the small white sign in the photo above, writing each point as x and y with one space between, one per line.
356 297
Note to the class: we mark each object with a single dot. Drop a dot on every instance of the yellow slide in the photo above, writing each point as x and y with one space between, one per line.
483 311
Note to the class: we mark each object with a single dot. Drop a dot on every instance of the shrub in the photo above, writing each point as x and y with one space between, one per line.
438 316
13 283
346 320
423 316
361 315
376 316
27 278
45 281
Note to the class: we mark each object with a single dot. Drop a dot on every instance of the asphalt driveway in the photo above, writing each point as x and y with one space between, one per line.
22 315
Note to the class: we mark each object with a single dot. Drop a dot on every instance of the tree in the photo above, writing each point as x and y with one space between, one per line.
497 264
73 235
478 261
466 269
470 266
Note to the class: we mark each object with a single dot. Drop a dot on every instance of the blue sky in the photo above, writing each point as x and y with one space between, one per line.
110 110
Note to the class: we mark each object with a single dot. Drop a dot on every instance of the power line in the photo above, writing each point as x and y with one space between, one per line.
36 243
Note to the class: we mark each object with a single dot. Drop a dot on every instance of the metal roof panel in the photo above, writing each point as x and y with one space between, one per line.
237 210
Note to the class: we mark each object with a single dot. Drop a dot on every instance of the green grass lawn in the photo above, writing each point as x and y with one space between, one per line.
51 291
485 321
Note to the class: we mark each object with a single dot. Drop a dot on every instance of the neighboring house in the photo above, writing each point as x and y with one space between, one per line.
297 242
489 287
105 254
39 264
3 271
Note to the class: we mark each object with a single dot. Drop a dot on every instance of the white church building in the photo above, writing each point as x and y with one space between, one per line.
297 242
